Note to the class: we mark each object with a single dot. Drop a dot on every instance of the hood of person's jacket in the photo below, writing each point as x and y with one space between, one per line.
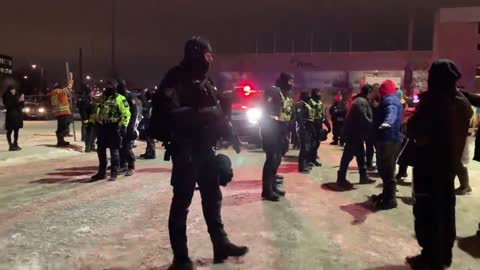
304 96
194 57
315 95
443 76
387 88
283 81
122 87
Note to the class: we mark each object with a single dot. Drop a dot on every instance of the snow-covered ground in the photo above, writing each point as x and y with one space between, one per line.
51 219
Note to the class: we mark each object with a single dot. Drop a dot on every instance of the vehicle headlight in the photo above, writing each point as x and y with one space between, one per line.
41 110
26 109
254 115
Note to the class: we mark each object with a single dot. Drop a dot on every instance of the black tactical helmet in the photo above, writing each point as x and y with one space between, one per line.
196 47
282 81
194 59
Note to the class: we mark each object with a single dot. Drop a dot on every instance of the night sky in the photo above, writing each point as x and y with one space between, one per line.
151 33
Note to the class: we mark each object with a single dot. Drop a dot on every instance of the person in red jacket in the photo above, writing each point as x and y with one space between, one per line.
59 98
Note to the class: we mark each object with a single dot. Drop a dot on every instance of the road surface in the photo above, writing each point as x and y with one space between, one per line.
51 219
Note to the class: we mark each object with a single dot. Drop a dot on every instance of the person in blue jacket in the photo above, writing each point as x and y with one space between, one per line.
388 137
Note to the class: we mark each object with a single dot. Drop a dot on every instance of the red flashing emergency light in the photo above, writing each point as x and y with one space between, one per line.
247 90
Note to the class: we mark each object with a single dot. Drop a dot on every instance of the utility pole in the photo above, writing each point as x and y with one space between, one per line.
114 66
80 65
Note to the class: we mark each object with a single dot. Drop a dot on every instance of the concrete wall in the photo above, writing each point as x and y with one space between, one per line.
456 37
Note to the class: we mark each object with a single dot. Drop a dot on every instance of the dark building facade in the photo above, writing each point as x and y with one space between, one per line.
6 65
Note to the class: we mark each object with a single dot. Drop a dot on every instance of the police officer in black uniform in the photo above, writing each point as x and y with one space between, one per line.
304 116
187 117
86 107
127 157
150 152
273 130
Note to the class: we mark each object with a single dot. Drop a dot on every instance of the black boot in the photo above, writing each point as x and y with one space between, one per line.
183 264
343 182
61 142
267 189
365 180
11 148
113 176
16 146
278 191
387 200
464 188
221 251
99 176
317 164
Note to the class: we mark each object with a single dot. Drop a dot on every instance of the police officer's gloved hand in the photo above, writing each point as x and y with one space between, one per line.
385 126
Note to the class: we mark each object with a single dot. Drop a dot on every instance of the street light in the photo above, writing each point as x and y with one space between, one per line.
101 81
25 77
88 77
34 66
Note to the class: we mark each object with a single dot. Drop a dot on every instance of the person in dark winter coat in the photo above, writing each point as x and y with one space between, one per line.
439 129
14 119
356 130
388 139
338 112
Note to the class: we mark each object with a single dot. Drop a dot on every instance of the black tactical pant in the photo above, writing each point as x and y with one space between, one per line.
387 154
337 131
353 149
370 150
273 144
306 146
63 125
316 141
90 136
190 169
127 157
109 137
150 150
83 131
434 212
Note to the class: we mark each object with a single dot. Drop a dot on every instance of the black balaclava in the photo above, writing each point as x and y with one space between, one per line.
305 96
194 60
282 81
122 87
443 76
315 95
111 88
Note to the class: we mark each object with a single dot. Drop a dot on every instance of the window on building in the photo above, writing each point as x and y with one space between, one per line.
479 28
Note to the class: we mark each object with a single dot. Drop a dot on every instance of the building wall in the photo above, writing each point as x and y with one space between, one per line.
323 70
456 37
6 65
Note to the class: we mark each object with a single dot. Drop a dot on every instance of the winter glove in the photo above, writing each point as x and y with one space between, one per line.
385 126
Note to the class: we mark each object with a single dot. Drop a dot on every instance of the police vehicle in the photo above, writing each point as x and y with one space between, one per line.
247 113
